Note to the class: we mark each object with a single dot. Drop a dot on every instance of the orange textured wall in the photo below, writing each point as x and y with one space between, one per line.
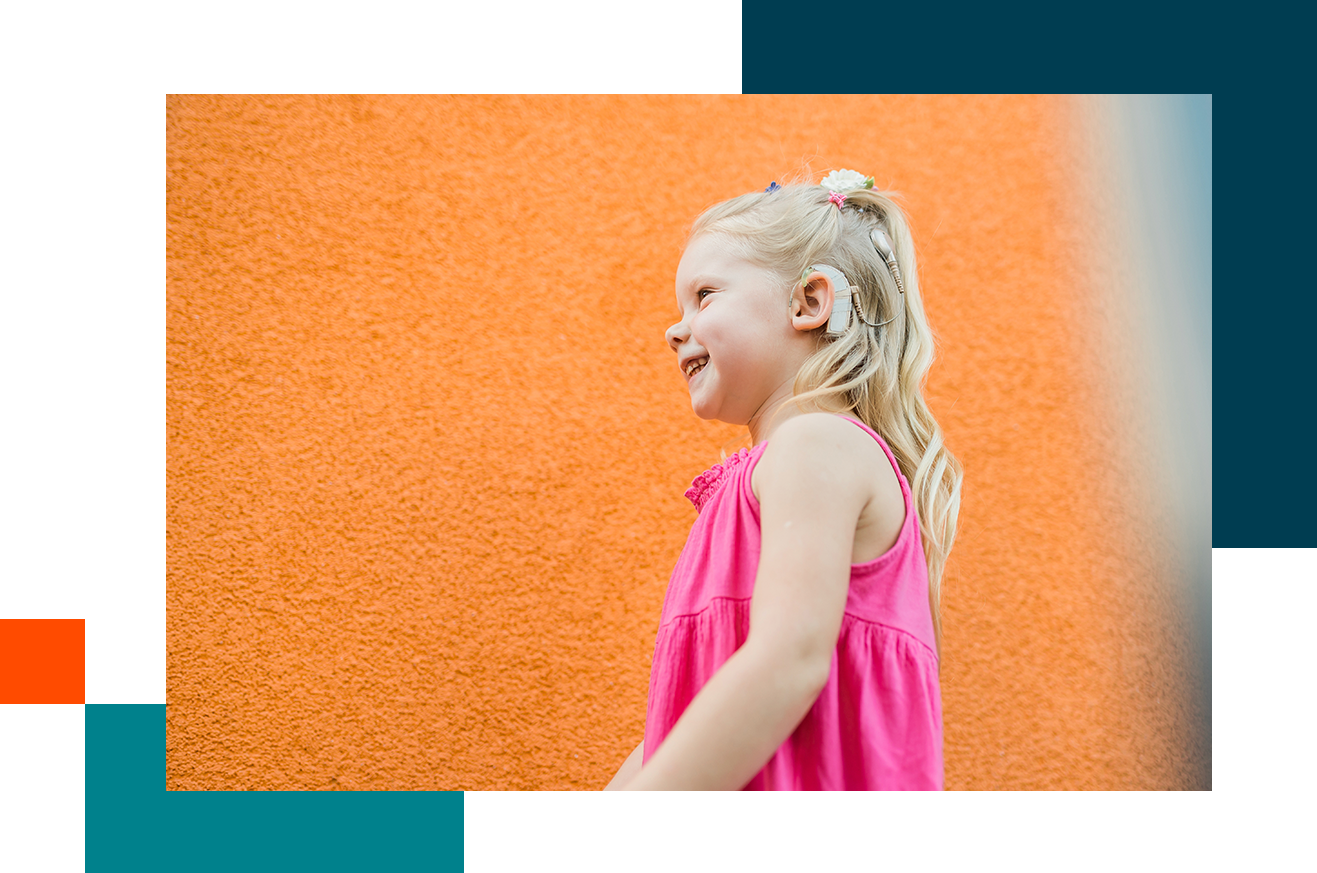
427 447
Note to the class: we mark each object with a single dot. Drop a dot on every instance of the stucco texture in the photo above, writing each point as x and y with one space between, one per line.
426 446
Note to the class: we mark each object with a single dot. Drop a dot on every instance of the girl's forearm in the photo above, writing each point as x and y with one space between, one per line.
736 722
630 767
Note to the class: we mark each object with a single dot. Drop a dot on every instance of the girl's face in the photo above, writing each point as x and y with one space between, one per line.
736 345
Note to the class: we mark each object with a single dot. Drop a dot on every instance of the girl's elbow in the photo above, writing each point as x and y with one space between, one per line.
815 672
802 669
812 658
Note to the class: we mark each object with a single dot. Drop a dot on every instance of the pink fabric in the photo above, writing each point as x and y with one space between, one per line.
878 722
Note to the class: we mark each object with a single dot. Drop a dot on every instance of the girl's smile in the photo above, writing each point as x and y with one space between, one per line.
691 367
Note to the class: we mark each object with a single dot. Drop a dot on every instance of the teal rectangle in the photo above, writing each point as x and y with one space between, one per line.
133 823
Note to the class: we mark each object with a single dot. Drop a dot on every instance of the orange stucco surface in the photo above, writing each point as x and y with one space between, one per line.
426 446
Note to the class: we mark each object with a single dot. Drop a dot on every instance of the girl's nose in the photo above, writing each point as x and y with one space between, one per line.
677 334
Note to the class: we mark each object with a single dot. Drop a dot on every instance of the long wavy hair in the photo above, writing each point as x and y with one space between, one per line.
874 373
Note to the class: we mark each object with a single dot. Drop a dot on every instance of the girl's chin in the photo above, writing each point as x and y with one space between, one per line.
707 413
704 411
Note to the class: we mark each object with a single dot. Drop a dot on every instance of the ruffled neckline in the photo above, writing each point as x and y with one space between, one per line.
707 483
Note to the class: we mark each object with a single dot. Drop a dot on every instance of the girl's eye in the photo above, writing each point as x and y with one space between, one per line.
700 295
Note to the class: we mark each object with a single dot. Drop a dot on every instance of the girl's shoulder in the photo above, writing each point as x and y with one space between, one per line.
836 466
825 448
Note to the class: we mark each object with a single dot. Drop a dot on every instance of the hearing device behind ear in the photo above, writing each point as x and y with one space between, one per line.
841 301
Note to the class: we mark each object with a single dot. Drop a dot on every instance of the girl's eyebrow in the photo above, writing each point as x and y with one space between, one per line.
704 281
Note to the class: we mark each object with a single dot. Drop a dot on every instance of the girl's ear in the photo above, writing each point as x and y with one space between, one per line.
811 301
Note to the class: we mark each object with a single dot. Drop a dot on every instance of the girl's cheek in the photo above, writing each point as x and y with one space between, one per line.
697 330
703 327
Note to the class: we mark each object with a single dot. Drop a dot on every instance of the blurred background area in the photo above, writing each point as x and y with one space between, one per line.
1149 159
426 447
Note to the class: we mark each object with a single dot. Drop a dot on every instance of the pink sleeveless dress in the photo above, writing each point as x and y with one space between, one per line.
877 724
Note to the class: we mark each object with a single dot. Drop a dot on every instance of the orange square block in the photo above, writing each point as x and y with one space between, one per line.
43 660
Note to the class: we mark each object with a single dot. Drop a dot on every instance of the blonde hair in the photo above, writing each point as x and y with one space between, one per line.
874 373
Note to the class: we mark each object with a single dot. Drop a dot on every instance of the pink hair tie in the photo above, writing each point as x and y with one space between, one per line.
837 197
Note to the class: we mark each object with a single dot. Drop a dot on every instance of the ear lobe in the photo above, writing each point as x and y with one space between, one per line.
811 301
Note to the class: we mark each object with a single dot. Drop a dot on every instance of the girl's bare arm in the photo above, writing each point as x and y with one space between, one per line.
630 767
810 501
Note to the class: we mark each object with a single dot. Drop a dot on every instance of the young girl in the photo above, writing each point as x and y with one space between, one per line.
798 646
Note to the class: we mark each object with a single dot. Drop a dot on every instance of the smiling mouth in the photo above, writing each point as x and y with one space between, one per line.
695 366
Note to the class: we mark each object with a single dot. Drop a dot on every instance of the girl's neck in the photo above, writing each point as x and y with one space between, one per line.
778 410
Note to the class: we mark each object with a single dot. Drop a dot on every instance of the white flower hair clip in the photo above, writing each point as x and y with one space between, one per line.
841 181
